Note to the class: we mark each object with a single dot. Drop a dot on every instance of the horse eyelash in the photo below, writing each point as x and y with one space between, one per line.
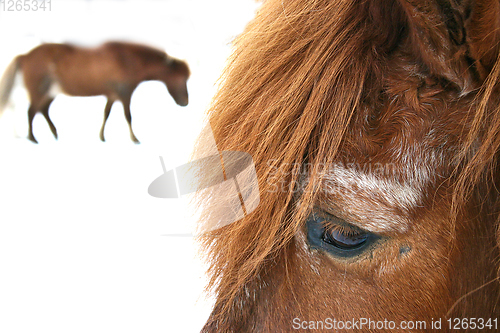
343 229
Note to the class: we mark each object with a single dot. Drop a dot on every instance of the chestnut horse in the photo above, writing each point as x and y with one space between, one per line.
114 69
374 126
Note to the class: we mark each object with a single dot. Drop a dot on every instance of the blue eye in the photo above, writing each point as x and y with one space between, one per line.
337 237
349 239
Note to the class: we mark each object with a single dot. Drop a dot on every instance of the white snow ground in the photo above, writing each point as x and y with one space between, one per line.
82 244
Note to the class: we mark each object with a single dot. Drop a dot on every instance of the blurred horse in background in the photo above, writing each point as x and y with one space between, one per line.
375 131
114 70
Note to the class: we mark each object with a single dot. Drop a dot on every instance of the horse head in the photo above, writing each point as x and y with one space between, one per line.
374 127
176 80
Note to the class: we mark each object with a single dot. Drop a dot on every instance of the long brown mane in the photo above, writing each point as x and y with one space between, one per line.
309 80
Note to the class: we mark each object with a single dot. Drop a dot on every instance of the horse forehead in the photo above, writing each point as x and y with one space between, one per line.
381 196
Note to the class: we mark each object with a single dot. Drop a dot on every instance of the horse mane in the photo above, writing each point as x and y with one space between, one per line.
148 53
297 77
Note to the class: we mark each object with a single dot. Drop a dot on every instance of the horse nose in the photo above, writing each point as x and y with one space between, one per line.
184 102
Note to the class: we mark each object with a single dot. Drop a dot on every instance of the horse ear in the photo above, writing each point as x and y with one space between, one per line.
169 60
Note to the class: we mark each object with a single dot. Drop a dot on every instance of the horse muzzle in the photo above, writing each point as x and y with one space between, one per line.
183 102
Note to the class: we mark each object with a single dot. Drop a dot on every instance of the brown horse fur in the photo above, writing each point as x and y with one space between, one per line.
114 69
319 92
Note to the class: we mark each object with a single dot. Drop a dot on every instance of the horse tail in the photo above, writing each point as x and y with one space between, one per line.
7 82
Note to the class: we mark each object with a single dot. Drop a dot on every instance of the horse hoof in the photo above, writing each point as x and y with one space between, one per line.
31 137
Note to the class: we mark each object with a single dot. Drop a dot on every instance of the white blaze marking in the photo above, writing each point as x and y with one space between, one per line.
374 202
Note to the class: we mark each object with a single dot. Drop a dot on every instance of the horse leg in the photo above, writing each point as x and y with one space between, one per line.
38 86
128 116
31 115
107 110
45 112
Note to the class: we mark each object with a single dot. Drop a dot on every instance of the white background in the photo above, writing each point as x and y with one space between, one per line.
83 247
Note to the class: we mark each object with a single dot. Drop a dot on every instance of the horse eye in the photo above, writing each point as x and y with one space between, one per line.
345 239
329 233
